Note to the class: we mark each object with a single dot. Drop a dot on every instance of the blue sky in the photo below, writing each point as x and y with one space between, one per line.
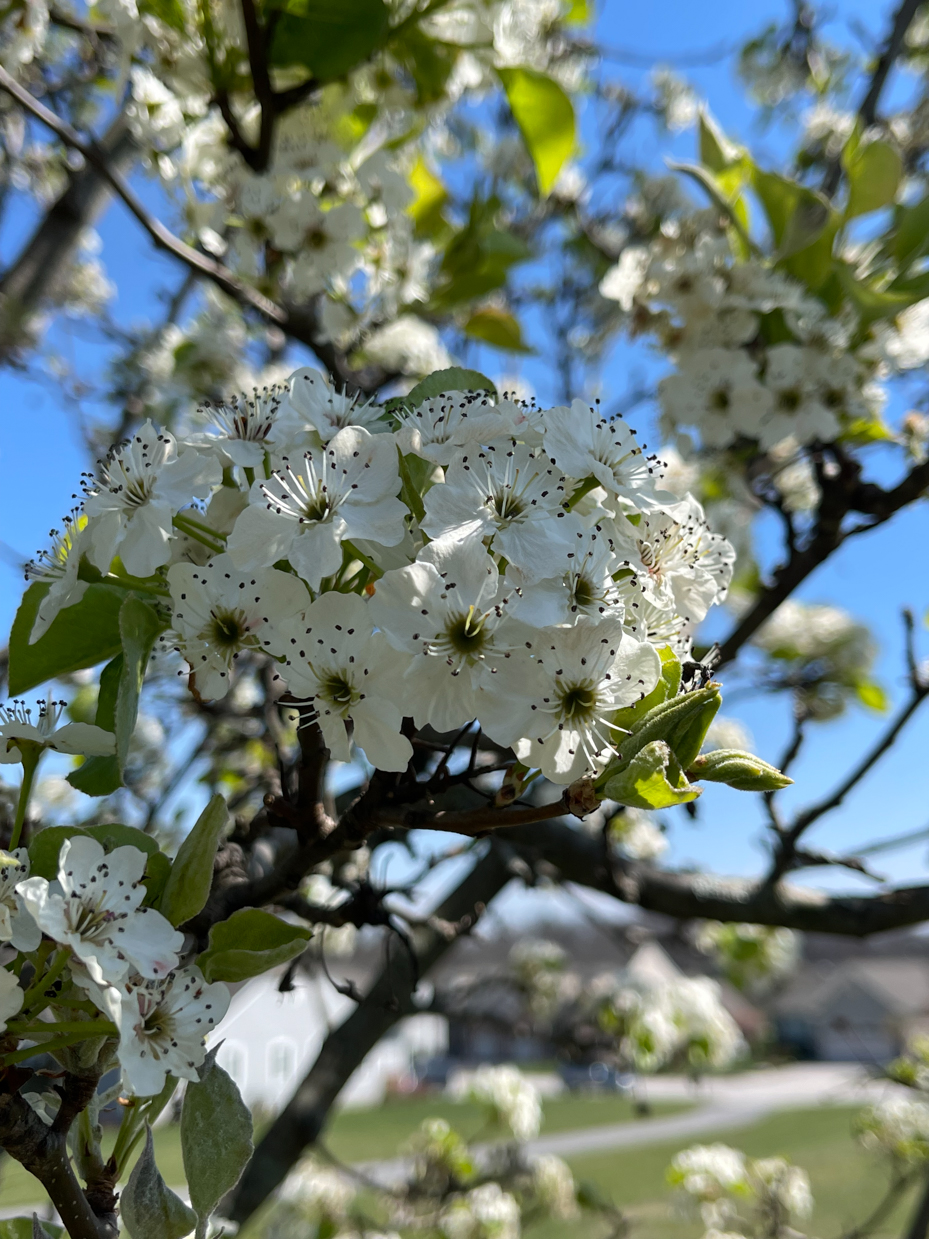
41 458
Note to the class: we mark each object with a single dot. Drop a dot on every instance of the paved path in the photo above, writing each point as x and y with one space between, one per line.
724 1103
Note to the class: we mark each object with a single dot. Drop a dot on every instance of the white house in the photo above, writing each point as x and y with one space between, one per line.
270 1041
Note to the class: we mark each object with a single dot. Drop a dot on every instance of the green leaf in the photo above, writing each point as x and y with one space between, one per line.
870 303
431 196
716 151
497 327
911 238
414 472
99 776
171 12
44 848
872 696
652 780
249 942
148 1207
545 116
216 1138
328 37
81 636
188 887
118 710
24 1228
874 171
441 381
743 771
724 192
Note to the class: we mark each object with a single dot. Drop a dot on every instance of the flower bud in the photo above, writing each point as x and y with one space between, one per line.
743 771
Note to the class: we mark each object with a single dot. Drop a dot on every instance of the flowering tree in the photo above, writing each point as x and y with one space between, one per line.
484 608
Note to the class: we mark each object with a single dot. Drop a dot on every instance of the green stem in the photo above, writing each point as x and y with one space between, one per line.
182 524
47 1047
46 981
132 1127
30 758
249 475
585 488
369 563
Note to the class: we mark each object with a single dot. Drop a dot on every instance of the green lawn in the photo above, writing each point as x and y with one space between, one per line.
847 1183
364 1135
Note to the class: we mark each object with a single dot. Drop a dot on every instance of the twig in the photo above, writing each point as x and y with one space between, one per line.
162 236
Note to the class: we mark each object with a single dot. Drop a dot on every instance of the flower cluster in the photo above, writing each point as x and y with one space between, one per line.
120 954
749 955
462 556
683 1018
510 1097
706 310
898 1127
741 1195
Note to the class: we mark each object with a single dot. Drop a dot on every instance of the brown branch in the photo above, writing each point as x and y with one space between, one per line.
472 822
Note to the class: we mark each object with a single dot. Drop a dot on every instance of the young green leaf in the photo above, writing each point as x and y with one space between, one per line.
874 172
99 776
545 116
249 942
497 327
44 848
149 1209
652 780
454 379
216 1138
81 636
188 886
743 771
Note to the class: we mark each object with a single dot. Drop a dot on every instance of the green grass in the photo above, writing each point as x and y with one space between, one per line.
847 1182
363 1135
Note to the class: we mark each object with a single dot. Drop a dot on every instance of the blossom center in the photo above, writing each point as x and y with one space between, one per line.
228 629
577 702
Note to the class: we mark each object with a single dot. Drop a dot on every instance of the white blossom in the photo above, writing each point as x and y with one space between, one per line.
162 1023
131 502
18 733
16 925
304 510
58 567
94 908
486 1212
511 1097
11 997
221 612
351 675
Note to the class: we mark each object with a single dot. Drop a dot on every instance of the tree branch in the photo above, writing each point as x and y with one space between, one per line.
386 1002
162 236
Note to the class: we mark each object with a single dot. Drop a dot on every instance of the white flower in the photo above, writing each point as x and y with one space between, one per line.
448 608
486 1212
586 674
131 502
16 925
58 566
717 390
585 445
508 495
219 612
320 1189
351 675
162 1024
302 513
622 282
709 1170
584 584
555 1188
781 1188
245 425
11 997
681 565
94 909
898 1126
795 378
511 1097
408 345
437 427
316 408
19 735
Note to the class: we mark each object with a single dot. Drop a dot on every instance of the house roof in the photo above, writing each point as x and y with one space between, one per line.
899 985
